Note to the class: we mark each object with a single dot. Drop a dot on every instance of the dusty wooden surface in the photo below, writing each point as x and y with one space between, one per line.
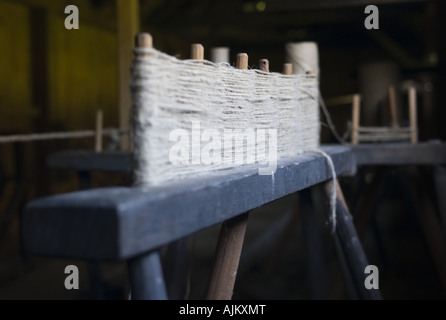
120 222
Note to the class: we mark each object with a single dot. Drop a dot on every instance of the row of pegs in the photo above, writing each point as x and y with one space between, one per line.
145 41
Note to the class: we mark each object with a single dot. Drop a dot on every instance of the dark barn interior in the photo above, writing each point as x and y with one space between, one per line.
55 80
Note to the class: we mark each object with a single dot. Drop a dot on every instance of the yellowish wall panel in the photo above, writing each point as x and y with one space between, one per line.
83 75
15 74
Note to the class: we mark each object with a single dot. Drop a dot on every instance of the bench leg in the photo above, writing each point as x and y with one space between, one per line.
146 277
176 267
227 258
314 257
351 246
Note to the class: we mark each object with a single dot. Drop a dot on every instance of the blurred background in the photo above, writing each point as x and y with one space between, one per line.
54 80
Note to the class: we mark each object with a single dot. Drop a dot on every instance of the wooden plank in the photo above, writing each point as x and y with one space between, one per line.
128 27
384 138
384 130
118 223
400 154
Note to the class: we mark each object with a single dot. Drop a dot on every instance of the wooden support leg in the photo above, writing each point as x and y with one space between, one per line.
94 270
227 258
96 283
316 273
230 243
344 279
146 277
355 118
351 246
175 270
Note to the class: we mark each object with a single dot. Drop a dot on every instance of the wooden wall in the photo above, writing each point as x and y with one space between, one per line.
15 68
82 75
80 70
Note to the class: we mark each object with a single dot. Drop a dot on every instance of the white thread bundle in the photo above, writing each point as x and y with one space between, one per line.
170 94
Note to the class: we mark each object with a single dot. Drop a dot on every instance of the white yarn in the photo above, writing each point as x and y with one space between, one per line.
305 59
333 191
170 94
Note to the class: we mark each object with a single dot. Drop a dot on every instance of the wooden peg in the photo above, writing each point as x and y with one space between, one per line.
287 69
197 51
413 115
264 65
99 126
393 109
242 61
355 118
143 41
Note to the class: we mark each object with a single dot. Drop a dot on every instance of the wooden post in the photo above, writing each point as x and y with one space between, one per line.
351 248
230 243
146 277
242 61
393 109
264 65
143 40
355 118
287 69
128 27
197 51
99 126
413 115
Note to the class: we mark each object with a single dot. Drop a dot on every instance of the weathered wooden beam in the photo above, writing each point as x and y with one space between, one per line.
128 26
120 223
